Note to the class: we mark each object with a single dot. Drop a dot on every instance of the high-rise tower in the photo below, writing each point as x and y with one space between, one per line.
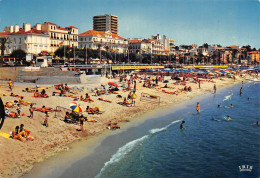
106 23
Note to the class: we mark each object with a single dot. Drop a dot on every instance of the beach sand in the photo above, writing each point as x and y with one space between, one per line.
17 158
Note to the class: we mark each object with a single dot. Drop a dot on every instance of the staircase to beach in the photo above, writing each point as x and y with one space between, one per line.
50 76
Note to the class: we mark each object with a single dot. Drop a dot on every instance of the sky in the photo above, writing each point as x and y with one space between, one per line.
224 22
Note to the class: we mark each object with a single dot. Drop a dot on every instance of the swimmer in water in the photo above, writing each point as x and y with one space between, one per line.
181 126
198 107
229 118
248 98
231 105
257 123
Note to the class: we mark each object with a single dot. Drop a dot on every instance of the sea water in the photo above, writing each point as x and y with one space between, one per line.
211 145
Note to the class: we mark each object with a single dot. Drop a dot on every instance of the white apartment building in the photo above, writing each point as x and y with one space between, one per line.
147 46
168 44
60 36
30 39
46 37
103 40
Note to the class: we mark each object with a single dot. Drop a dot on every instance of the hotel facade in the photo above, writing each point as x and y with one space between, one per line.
106 41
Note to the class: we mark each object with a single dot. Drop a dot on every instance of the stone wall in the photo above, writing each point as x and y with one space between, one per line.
9 72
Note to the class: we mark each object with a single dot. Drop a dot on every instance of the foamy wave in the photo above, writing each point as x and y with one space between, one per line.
228 97
122 152
153 131
130 146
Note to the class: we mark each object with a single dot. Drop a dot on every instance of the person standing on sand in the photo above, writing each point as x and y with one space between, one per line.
31 111
45 123
81 123
198 108
10 83
215 88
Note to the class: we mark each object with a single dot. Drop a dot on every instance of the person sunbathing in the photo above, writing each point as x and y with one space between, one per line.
95 110
17 135
14 95
125 103
165 86
11 114
36 94
113 125
67 118
86 99
87 96
23 132
10 105
43 94
189 88
104 100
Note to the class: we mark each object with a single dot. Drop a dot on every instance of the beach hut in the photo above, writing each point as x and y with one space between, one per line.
43 61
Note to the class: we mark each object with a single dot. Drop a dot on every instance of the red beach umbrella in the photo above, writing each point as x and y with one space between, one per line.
112 83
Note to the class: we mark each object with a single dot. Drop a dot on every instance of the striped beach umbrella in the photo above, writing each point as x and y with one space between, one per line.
75 107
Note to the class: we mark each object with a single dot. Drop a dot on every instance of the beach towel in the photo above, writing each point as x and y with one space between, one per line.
36 96
5 135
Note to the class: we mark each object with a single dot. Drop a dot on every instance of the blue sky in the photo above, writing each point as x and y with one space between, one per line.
225 22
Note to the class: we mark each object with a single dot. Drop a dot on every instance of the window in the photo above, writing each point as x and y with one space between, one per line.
51 27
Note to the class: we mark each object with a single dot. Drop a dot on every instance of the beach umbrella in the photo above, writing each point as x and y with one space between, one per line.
2 113
75 107
112 83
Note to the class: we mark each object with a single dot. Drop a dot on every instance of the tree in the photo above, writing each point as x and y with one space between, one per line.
19 54
3 41
205 45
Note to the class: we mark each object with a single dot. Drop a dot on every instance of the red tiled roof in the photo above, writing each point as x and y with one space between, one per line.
50 23
5 33
61 28
71 27
102 34
254 52
135 41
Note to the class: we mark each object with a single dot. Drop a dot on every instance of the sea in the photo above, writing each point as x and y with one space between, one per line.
211 145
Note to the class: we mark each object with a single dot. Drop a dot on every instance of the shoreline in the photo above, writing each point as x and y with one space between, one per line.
61 146
85 149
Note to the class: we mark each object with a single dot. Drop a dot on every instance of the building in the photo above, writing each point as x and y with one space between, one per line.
46 37
139 46
104 40
60 36
254 56
146 46
32 40
105 23
168 44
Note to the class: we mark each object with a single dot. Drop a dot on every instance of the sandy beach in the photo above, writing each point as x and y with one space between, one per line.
17 158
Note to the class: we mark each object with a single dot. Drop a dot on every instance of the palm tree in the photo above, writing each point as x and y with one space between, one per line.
3 41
